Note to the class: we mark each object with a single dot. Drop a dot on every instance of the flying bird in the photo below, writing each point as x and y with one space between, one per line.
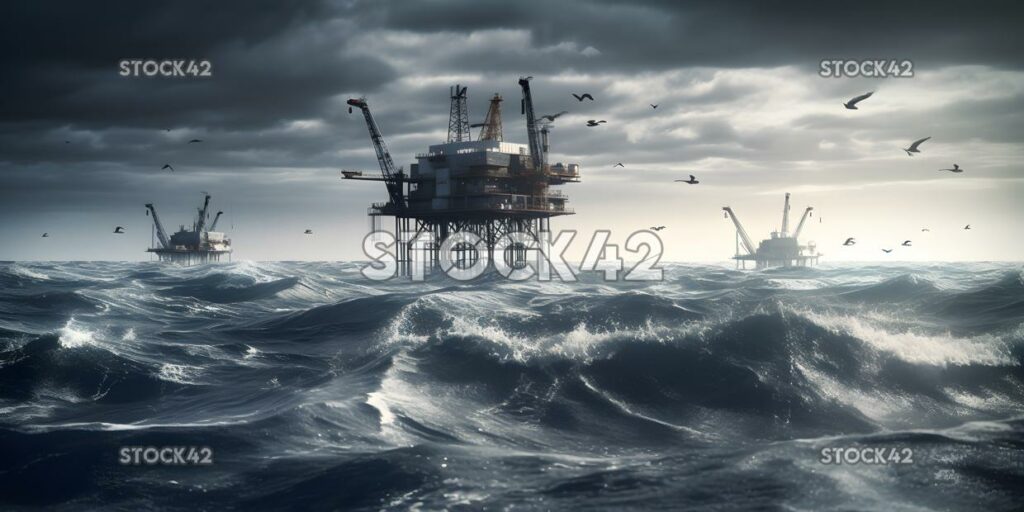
956 168
194 141
618 165
653 105
852 104
887 251
906 243
67 142
923 230
167 166
552 117
308 232
46 235
584 96
849 241
592 122
657 228
691 181
118 230
967 226
913 147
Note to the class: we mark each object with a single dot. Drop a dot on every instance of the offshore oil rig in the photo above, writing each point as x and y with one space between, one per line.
781 250
200 245
488 187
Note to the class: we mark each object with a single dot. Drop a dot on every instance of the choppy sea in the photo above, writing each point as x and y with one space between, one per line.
314 388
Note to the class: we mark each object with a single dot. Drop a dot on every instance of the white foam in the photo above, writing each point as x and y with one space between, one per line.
72 335
377 401
915 347
182 374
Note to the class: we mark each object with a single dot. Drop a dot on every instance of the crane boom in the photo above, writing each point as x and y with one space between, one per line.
201 222
536 147
785 217
747 243
800 226
213 225
392 178
160 233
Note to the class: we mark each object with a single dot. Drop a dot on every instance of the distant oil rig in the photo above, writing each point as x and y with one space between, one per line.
487 187
781 250
200 245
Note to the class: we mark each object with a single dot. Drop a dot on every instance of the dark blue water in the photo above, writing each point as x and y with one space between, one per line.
316 389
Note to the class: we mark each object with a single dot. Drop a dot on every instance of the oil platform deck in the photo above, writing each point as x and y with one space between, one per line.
487 187
199 245
782 249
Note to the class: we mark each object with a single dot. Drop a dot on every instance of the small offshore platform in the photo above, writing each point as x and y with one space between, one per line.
781 250
488 187
200 245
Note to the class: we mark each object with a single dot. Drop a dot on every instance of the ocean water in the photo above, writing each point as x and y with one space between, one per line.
313 388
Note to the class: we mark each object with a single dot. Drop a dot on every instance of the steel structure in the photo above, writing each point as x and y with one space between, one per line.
458 116
781 250
201 244
487 187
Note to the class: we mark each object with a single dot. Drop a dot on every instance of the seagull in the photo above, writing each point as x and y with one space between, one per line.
167 166
618 165
967 226
308 232
46 235
691 181
849 241
657 228
118 230
592 122
552 117
923 230
913 147
887 251
194 141
653 105
581 97
852 104
956 168
906 243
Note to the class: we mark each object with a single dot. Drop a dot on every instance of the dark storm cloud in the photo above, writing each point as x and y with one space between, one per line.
752 33
271 60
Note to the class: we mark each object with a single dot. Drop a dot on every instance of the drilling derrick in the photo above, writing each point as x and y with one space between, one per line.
458 116
488 187
491 127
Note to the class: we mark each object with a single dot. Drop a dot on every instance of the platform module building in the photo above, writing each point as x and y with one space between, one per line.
488 187
200 244
782 249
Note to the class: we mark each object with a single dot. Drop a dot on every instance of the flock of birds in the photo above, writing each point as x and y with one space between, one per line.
851 104
915 147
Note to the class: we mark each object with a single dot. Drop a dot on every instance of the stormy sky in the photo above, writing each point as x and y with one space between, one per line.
740 105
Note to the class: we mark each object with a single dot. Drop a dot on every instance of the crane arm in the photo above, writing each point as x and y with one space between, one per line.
392 178
213 225
160 233
747 243
201 223
800 226
785 217
536 148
